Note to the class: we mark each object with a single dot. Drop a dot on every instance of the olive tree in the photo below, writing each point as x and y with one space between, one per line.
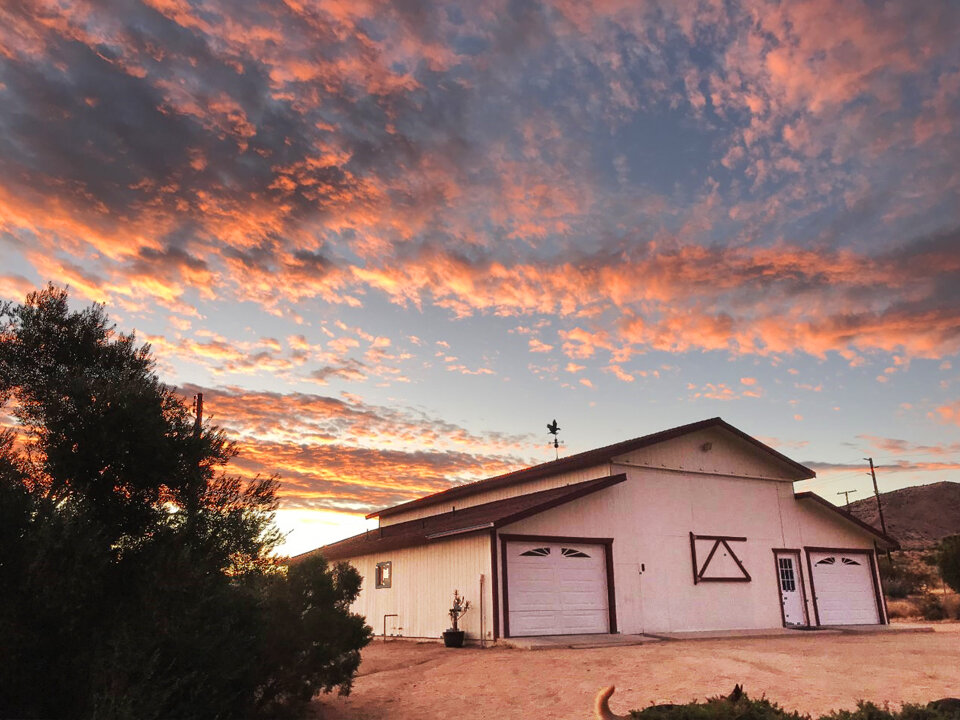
136 576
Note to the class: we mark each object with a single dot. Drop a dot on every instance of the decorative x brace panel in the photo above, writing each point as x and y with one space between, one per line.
721 543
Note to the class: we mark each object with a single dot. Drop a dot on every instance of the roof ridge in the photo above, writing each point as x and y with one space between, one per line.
581 459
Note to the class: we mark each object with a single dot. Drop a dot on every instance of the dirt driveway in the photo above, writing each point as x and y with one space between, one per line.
813 674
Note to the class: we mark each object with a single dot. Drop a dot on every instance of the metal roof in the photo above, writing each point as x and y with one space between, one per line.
584 460
473 519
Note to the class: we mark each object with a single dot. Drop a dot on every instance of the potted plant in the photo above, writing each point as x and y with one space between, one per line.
453 637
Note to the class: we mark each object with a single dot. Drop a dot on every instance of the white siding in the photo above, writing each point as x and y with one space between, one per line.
727 455
650 517
730 489
421 591
812 525
486 496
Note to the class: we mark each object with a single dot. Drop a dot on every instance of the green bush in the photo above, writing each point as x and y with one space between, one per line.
938 710
743 708
899 588
931 608
949 561
900 579
136 578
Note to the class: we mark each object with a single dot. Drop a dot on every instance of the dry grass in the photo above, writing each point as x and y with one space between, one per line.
911 608
902 609
951 601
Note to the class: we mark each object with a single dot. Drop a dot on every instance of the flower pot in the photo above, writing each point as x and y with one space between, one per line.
453 638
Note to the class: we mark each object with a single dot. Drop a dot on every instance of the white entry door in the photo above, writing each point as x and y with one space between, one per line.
556 588
791 589
843 586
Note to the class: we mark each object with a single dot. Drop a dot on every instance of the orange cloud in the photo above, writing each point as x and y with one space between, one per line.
346 454
297 153
950 413
539 347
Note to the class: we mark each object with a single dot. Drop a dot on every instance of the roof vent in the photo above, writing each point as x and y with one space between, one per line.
706 447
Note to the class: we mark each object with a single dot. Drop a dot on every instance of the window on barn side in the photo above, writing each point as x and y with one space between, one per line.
384 574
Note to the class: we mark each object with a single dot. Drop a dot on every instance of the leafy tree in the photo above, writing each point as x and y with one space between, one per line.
135 576
949 561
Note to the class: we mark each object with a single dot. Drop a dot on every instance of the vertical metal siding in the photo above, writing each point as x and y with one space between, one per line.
727 455
650 517
424 579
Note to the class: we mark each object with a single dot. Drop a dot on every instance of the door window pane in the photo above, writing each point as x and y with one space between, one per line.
788 582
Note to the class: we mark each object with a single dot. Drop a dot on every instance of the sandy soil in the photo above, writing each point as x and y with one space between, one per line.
403 680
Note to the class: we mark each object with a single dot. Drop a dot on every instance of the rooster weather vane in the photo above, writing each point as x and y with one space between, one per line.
554 430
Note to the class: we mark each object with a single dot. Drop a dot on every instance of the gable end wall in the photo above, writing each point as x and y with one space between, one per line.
713 451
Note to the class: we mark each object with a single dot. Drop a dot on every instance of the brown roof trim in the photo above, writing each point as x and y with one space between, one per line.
808 495
477 518
585 459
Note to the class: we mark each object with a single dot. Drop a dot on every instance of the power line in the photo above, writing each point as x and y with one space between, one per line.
846 495
834 478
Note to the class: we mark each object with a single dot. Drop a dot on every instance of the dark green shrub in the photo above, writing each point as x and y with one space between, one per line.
949 561
899 587
743 708
941 710
136 579
900 579
931 608
719 708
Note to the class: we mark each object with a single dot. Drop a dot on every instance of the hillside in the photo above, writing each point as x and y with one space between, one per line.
916 516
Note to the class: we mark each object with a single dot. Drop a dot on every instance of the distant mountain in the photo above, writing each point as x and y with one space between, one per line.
918 517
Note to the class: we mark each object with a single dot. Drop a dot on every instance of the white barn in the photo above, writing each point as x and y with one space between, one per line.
694 528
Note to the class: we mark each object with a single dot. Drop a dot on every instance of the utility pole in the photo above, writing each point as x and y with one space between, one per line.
846 494
876 491
198 423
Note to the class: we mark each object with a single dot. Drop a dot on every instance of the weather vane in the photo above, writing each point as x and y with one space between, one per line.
554 430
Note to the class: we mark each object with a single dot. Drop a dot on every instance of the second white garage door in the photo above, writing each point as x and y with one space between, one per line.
844 588
556 588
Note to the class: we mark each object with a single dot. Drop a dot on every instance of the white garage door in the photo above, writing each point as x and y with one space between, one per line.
844 588
556 588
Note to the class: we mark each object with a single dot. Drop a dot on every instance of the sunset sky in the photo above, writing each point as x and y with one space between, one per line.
390 241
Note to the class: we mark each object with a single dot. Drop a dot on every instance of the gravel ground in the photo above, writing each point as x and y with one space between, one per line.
403 680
